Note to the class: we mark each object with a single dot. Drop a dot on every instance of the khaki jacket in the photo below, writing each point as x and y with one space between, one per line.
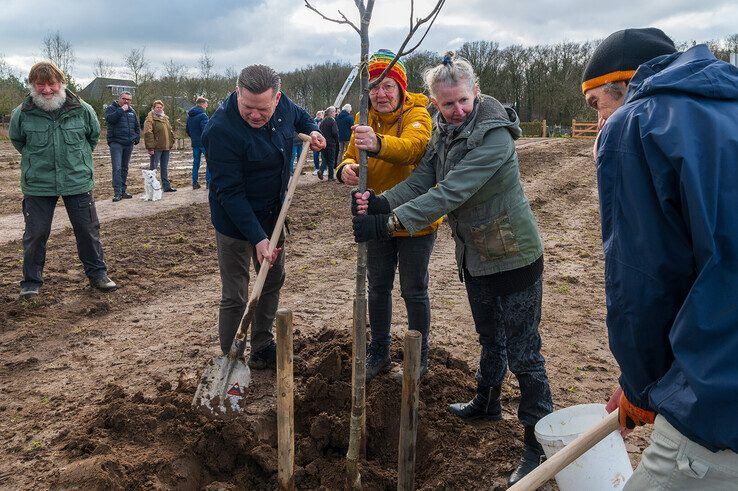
158 134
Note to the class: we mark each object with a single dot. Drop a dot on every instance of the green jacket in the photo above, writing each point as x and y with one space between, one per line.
56 155
472 175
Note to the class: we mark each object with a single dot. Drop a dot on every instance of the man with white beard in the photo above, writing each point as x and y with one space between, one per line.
55 133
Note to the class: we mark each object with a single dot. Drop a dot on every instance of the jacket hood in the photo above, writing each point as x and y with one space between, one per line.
195 111
695 72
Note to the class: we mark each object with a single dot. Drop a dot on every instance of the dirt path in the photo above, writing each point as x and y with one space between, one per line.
95 388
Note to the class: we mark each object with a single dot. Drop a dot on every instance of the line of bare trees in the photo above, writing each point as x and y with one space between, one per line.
539 82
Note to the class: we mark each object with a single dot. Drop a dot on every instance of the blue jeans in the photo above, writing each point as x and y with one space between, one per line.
196 153
411 255
508 332
296 149
120 156
161 158
316 160
38 212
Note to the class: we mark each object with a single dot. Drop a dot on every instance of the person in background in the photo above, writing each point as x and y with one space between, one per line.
159 140
197 118
345 121
470 173
296 149
55 132
395 139
329 129
316 155
124 131
667 183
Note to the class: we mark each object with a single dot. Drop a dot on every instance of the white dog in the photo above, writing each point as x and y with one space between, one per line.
152 187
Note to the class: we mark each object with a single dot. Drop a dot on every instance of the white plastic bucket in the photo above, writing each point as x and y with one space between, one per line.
605 466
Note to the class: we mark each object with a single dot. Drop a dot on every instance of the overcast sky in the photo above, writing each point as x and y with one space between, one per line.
286 35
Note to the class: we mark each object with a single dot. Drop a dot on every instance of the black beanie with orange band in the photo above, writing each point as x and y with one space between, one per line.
618 57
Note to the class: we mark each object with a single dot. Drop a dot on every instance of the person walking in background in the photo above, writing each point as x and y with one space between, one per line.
55 132
345 121
124 131
296 149
316 155
395 139
330 132
470 173
668 191
159 140
197 118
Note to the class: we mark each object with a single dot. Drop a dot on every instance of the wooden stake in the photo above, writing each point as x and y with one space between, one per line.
409 411
357 429
285 403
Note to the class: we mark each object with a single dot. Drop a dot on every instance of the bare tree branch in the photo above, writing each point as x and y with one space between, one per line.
337 21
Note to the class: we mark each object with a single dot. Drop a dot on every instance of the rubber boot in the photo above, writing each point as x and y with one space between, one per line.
532 457
377 360
485 405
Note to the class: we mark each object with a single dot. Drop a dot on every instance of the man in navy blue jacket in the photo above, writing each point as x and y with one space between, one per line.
124 131
197 118
668 187
249 147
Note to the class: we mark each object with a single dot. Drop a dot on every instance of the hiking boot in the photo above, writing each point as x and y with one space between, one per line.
264 358
377 360
125 195
170 190
532 457
117 198
103 283
485 405
28 292
196 185
397 376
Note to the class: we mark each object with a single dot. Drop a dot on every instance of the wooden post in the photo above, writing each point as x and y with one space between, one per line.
357 429
285 403
409 411
544 129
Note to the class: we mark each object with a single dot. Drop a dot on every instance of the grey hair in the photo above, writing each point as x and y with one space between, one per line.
125 92
346 107
615 89
259 78
330 111
452 71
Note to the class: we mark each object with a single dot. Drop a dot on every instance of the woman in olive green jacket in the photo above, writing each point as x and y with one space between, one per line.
470 173
159 140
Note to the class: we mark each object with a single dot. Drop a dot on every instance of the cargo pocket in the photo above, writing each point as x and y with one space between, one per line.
496 239
74 133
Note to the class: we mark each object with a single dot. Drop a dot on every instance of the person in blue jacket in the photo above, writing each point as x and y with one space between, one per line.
124 131
668 187
197 118
248 142
345 121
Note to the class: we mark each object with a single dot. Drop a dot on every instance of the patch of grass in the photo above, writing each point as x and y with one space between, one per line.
563 288
36 445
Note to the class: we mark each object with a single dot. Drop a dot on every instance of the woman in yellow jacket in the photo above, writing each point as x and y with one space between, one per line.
395 138
159 140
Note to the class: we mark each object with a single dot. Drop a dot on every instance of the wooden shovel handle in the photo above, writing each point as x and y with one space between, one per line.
538 476
238 342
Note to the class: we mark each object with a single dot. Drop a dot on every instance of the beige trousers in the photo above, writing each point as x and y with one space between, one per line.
675 462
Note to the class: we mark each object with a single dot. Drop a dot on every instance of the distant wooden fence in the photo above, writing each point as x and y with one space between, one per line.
583 129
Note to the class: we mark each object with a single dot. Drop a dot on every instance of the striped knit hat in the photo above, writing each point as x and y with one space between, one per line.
379 61
618 57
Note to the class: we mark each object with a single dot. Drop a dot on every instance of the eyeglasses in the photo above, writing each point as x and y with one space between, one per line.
387 88
126 100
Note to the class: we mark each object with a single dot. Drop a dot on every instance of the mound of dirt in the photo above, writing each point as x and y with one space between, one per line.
136 441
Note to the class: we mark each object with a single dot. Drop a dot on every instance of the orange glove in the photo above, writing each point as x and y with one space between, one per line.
632 416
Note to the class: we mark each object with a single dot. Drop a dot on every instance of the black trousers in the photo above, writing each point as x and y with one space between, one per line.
38 212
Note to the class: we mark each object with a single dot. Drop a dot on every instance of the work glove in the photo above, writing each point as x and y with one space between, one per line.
371 227
631 416
377 204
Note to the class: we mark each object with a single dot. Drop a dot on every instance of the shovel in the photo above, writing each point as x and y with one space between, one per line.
548 469
225 378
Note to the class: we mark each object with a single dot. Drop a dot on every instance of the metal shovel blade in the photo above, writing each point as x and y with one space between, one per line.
222 386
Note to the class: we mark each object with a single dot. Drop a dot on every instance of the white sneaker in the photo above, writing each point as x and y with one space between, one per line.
315 172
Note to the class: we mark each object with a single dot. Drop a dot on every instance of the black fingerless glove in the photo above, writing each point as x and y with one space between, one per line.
378 205
371 227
